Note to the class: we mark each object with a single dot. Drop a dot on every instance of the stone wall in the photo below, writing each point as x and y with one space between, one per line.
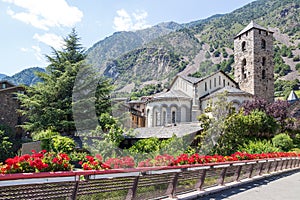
9 106
254 68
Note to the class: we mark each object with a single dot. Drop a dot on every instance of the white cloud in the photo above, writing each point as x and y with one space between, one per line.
124 22
44 14
50 39
23 49
37 53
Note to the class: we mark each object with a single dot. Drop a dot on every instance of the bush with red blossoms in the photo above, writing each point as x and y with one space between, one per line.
185 159
48 161
160 160
123 162
93 163
37 162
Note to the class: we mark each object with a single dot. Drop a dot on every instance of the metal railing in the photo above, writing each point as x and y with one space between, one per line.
137 183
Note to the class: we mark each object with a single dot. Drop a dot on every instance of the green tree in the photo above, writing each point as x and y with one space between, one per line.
283 141
258 146
49 103
5 146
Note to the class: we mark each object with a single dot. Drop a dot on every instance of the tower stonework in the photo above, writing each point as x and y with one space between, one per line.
254 68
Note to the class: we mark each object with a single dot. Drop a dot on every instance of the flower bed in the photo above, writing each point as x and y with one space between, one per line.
50 162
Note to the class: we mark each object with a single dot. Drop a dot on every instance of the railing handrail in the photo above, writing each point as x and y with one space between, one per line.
5 177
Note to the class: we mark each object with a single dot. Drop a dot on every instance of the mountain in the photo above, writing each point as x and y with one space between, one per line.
125 41
155 55
25 77
2 76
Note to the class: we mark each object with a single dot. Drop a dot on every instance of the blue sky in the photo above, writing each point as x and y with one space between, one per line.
30 27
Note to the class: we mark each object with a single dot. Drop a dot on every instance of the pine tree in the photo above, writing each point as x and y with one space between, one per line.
49 103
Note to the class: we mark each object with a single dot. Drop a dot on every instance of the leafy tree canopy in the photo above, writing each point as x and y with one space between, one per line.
49 103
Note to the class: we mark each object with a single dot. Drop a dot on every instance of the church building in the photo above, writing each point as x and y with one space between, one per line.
188 97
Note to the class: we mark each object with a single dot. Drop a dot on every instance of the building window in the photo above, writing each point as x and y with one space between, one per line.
263 44
164 117
156 118
205 86
210 84
215 82
219 80
244 63
223 82
3 85
243 46
259 31
263 62
173 117
263 74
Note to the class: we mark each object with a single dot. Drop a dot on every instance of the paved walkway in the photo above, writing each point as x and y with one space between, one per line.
282 187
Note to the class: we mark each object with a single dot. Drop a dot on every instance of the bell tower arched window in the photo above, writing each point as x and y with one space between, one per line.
244 63
263 44
243 46
263 74
263 61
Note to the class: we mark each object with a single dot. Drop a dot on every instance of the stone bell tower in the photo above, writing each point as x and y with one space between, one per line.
254 68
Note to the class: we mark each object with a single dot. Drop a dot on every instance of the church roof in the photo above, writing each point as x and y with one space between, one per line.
250 26
191 79
194 80
180 130
171 94
230 90
292 96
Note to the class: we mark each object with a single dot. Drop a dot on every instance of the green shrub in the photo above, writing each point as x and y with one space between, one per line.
283 141
45 137
62 144
259 146
298 66
296 58
297 150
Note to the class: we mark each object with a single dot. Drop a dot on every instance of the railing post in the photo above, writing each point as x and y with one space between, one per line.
261 168
251 170
292 163
238 172
75 190
282 163
171 190
132 191
287 163
200 183
295 163
222 176
276 165
269 166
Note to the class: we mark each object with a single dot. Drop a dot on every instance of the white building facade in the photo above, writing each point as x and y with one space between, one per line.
188 97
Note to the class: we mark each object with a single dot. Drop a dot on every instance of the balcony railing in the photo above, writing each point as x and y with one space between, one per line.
137 183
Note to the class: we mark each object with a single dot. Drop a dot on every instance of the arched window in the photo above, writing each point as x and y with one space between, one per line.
173 117
263 74
263 44
164 120
244 63
263 62
156 118
243 46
